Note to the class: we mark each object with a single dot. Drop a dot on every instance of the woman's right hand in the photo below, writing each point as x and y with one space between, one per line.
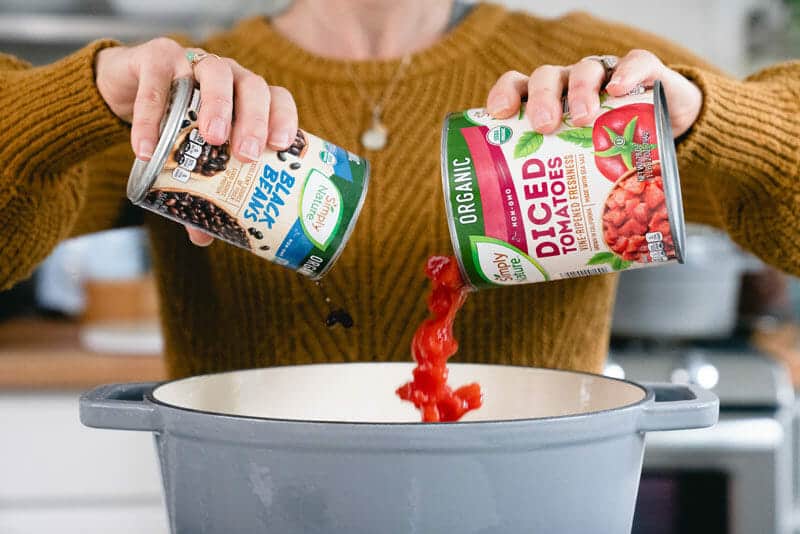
135 83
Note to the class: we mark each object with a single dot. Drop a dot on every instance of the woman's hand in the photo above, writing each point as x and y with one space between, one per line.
582 83
135 83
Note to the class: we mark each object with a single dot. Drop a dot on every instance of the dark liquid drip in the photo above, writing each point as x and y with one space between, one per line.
336 315
340 316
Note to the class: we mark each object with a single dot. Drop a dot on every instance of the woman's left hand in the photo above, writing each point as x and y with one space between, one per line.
583 82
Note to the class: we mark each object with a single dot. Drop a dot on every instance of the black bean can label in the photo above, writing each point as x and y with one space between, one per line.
525 207
295 207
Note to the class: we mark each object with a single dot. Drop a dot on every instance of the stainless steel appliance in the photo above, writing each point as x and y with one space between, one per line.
738 477
697 300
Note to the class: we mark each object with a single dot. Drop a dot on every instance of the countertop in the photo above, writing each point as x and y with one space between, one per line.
47 354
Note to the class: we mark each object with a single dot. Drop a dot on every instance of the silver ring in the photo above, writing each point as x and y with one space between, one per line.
608 62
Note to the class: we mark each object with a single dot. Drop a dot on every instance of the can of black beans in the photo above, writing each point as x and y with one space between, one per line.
296 207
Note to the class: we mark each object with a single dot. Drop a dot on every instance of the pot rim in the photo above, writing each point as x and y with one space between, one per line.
648 397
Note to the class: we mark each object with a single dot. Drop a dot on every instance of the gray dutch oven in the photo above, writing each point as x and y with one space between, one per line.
330 449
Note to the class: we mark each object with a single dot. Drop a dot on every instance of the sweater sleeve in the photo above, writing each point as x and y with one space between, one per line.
739 163
53 120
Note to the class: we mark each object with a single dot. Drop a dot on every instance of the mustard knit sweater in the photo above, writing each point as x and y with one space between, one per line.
65 161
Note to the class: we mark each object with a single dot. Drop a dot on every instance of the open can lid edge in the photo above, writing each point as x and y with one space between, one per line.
144 173
669 171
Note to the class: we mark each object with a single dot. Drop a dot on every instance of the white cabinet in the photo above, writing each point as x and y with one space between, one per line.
84 519
58 476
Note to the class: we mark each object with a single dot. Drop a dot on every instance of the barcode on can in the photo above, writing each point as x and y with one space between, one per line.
585 272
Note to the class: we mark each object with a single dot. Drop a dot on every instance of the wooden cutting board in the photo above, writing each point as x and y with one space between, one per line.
47 354
781 341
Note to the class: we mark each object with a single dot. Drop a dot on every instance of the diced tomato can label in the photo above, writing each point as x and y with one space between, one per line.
525 207
295 207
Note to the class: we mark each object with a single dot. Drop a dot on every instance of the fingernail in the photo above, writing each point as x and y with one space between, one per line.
145 149
499 105
281 138
579 110
542 118
194 241
218 129
249 148
615 80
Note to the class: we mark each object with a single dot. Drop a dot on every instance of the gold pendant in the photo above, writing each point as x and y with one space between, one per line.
377 135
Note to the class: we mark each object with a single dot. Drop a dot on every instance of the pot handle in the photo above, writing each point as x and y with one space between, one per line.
120 407
678 407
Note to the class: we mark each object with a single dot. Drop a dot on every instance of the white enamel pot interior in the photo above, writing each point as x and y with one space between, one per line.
365 393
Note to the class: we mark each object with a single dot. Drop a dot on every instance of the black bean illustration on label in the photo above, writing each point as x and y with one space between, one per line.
296 148
255 233
196 155
199 212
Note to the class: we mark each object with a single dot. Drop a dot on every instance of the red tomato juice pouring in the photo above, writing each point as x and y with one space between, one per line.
434 343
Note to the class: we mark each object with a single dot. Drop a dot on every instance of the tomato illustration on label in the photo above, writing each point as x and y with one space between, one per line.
620 133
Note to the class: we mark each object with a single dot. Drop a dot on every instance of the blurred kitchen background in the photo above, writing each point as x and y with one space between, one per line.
88 315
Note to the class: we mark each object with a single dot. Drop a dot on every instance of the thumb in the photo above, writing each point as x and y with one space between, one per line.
198 237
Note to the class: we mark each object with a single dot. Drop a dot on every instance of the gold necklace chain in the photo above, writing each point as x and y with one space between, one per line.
377 135
378 108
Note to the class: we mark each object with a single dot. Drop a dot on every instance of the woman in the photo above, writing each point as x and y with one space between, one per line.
346 66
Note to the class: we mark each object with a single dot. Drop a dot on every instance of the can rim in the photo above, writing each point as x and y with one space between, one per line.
449 209
144 173
669 171
351 225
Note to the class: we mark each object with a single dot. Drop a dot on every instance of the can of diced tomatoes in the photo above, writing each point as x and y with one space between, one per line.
295 207
524 207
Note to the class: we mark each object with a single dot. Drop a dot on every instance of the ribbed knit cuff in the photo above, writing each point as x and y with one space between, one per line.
746 138
55 116
743 160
